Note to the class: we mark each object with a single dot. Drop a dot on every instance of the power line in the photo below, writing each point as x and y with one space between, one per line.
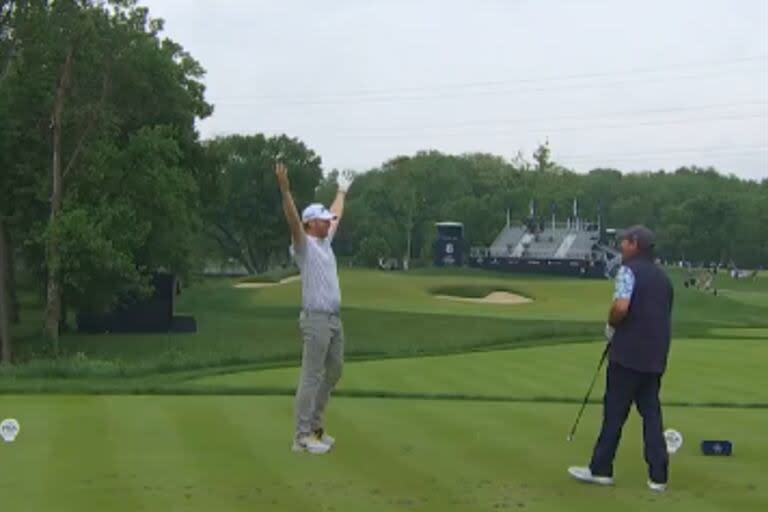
558 78
630 124
424 93
607 115
479 94
661 110
667 152
691 159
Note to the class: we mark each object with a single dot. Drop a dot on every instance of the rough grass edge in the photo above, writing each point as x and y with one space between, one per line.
154 389
176 365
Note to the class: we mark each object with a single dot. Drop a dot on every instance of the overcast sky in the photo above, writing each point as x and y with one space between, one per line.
625 83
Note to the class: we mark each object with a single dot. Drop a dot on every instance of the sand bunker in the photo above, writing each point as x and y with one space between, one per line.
492 298
268 285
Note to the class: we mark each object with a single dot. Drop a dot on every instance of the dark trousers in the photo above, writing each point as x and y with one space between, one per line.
625 386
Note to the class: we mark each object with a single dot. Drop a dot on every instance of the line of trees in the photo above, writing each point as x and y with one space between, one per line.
699 214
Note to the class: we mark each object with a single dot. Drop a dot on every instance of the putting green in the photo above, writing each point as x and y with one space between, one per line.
386 314
412 293
701 371
232 453
553 298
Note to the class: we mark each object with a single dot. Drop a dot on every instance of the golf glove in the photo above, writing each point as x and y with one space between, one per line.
609 332
345 180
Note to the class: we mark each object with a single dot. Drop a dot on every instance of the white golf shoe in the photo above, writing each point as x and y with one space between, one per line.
584 474
656 487
325 438
310 443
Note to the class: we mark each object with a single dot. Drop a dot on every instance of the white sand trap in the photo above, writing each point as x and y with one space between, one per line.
492 298
268 285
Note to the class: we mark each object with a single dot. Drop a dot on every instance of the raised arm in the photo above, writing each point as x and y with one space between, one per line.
289 207
337 208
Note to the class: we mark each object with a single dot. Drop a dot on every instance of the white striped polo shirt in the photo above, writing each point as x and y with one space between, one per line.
320 290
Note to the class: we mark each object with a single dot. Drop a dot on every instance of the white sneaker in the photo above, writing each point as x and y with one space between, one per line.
583 474
657 487
311 444
325 438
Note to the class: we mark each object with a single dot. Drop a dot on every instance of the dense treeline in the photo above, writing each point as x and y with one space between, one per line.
699 214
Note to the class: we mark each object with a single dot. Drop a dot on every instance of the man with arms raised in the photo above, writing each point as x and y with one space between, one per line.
321 328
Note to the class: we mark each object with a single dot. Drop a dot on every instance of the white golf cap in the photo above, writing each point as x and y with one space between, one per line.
316 211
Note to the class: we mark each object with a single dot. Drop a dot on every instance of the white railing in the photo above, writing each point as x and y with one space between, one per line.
565 246
522 246
487 252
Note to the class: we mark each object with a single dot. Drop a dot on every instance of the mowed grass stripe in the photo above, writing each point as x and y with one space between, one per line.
153 442
30 482
226 452
756 298
387 462
392 455
85 441
700 371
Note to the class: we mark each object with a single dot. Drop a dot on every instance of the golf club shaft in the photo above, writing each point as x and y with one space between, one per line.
589 391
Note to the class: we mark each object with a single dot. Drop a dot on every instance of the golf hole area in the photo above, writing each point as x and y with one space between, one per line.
481 295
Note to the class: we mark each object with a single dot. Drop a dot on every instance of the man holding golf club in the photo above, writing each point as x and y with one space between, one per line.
320 324
638 333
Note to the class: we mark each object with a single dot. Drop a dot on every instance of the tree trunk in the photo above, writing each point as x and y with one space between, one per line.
63 325
5 327
408 242
53 303
7 272
232 247
251 257
12 285
5 66
10 276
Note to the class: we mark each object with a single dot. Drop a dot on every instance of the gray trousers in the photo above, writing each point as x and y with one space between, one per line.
321 364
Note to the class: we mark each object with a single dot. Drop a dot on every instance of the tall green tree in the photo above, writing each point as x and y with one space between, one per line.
246 218
113 104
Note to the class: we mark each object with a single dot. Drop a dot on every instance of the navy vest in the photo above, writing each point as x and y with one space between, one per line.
641 341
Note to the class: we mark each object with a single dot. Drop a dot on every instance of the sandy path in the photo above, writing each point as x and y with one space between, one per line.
268 285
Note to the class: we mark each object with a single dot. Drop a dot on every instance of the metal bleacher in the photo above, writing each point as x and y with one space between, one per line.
507 241
565 248
557 243
583 244
545 244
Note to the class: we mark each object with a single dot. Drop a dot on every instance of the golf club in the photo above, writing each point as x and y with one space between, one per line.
589 392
